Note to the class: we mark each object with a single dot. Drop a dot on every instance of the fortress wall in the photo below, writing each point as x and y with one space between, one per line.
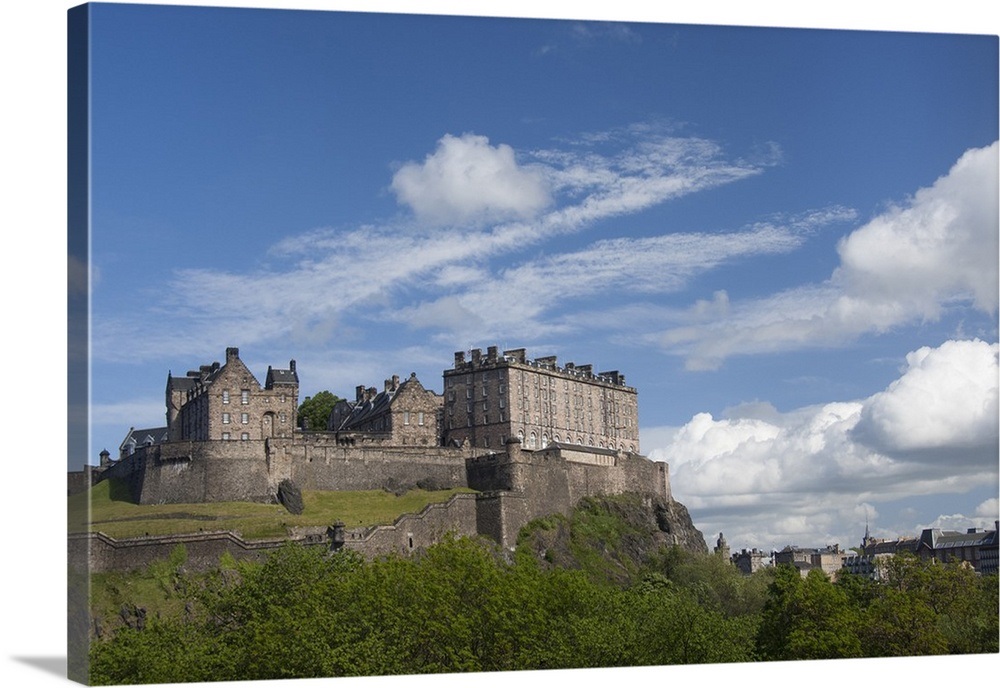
630 473
204 471
501 515
325 465
489 472
410 532
128 554
219 470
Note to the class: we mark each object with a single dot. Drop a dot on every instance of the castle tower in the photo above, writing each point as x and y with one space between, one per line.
722 547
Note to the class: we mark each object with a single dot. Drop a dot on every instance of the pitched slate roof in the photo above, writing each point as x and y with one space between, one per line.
279 376
145 436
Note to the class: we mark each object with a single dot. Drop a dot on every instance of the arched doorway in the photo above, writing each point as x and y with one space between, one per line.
267 426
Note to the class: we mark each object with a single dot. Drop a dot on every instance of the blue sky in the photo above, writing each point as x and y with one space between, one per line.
786 239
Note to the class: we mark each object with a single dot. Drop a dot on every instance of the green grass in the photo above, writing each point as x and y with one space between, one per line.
111 512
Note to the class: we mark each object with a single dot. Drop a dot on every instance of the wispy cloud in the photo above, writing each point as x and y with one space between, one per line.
905 265
472 201
610 268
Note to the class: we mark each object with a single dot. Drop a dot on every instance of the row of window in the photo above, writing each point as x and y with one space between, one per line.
243 436
406 417
244 418
244 396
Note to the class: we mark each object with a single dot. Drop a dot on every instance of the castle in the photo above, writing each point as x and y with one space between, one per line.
530 437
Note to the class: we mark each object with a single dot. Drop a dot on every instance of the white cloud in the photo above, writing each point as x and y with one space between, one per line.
904 266
989 509
621 266
946 399
984 518
321 279
466 180
770 478
942 244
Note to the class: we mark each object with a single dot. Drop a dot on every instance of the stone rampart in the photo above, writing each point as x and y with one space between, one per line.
411 532
321 463
196 472
102 553
250 470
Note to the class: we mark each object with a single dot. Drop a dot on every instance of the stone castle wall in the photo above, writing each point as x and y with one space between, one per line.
410 532
218 471
514 486
320 463
195 472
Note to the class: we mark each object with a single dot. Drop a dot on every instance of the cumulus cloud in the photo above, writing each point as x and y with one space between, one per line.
989 509
906 265
946 399
822 466
467 180
941 244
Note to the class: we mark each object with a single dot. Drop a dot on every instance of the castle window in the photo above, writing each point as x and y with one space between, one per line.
406 417
282 398
225 418
245 436
245 396
420 417
244 418
468 393
225 435
282 417
225 396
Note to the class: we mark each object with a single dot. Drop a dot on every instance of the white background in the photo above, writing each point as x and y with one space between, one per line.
33 344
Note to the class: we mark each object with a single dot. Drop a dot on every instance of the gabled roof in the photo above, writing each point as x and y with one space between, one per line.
279 376
144 436
364 411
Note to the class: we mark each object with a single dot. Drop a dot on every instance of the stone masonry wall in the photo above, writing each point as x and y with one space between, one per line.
409 532
412 532
214 471
323 464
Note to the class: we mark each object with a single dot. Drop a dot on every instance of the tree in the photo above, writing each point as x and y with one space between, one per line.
315 410
807 618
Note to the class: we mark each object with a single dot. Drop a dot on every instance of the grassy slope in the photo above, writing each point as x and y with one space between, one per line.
112 514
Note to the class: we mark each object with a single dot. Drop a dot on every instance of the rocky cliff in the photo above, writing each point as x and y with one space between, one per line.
612 537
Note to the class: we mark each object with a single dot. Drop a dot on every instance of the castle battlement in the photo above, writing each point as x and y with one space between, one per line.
518 358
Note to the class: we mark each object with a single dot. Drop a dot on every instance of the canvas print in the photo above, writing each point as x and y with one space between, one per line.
406 344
